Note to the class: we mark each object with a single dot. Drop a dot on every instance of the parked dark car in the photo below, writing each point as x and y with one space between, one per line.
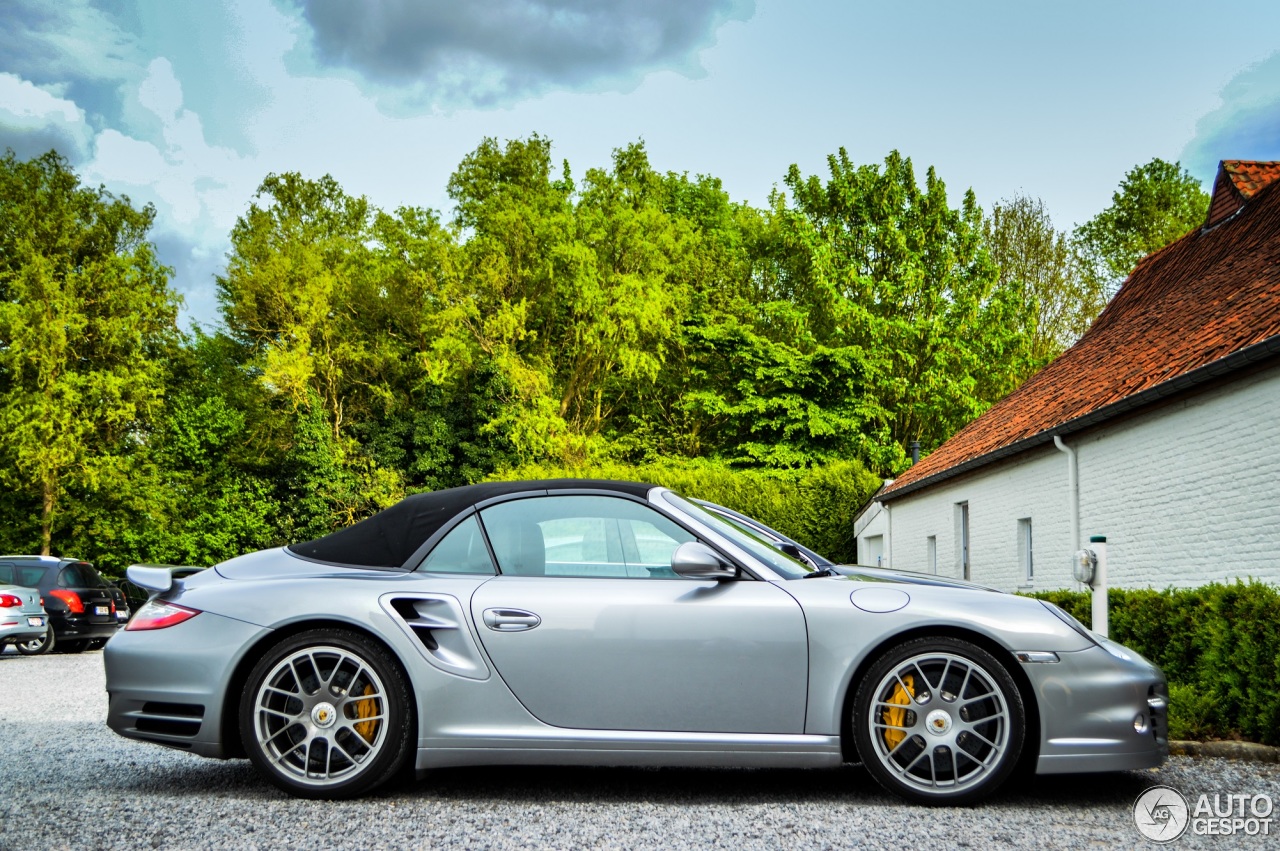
123 609
82 613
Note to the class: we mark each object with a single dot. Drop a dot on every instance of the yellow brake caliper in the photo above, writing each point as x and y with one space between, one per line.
367 709
895 717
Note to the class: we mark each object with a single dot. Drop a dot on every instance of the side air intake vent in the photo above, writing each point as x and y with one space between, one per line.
438 624
169 719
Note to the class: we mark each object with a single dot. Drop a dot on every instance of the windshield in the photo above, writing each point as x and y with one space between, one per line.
786 566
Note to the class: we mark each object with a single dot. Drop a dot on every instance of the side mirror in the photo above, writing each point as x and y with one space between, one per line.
694 560
788 549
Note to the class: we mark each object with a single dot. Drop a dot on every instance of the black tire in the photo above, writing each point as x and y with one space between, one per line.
75 645
39 646
953 740
96 644
319 696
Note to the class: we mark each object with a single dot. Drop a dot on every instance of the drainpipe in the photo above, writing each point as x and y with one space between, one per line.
888 550
1073 490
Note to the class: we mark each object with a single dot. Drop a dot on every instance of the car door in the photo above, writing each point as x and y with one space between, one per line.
590 628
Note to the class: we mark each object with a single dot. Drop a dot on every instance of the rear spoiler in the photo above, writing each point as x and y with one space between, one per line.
156 578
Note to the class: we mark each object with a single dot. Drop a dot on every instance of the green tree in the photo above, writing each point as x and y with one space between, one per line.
887 269
87 321
325 295
572 296
1042 265
1155 204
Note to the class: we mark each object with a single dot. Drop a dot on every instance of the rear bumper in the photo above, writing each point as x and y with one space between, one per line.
74 627
168 686
14 628
1090 706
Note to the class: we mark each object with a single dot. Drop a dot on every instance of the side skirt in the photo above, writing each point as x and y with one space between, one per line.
540 746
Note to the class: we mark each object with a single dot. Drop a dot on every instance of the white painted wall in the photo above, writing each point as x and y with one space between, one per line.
872 530
1185 494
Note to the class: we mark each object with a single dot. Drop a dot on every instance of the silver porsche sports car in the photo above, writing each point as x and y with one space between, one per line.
609 623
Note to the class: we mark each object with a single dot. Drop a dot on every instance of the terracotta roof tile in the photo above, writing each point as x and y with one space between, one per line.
1250 176
1209 295
1237 182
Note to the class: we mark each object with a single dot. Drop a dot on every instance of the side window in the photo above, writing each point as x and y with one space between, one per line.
460 551
583 536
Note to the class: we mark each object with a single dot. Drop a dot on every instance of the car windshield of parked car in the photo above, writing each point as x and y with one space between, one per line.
783 564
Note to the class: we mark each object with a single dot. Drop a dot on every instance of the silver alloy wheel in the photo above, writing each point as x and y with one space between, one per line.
940 723
320 715
37 646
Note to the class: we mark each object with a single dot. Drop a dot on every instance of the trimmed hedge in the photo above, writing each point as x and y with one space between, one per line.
815 506
1219 645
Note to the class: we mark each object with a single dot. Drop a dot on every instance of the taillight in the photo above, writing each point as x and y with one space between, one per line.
158 615
8 601
72 599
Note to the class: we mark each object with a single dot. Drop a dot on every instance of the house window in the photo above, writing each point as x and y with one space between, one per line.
962 538
931 554
1026 555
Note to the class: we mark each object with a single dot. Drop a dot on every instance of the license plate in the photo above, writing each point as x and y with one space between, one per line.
35 621
101 610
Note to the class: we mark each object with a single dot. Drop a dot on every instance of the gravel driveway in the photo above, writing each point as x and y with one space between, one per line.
69 782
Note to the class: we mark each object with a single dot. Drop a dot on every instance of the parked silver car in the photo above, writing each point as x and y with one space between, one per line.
23 621
610 623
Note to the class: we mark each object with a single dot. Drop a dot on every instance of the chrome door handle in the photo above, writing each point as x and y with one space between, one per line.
510 620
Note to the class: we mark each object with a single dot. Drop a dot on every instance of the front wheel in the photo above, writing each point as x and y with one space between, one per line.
327 714
37 646
939 721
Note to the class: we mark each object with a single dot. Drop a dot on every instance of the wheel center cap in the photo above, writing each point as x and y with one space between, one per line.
324 714
938 722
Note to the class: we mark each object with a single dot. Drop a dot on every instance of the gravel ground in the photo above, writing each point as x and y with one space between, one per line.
66 781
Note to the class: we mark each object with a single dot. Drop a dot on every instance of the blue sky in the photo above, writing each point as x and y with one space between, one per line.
188 105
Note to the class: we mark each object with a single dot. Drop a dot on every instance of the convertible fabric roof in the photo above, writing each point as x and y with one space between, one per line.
389 538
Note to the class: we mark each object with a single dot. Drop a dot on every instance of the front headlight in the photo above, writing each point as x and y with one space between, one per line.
1066 618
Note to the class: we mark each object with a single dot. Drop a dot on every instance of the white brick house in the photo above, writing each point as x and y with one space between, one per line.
1169 408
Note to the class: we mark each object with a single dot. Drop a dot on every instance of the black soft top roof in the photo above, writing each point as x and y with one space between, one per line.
389 538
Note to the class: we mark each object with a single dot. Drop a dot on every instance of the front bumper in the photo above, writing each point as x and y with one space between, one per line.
168 686
1089 703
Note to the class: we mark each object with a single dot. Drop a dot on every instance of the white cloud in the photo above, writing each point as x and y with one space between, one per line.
1245 126
160 92
33 120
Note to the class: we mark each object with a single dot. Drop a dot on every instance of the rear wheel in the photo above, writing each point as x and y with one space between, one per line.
327 714
37 646
939 721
